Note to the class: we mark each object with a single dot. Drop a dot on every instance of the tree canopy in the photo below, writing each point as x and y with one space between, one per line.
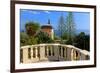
61 26
70 26
82 41
43 37
31 28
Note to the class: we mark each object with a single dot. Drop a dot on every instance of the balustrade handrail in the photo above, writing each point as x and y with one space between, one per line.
85 52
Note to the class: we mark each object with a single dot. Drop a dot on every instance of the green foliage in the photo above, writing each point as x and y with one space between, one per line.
31 28
32 41
70 26
67 28
43 37
56 37
23 38
65 36
82 41
33 36
61 26
27 40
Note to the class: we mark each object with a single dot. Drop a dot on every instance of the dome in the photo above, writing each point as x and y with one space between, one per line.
46 26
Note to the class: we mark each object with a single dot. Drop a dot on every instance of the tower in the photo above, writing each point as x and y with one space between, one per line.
48 29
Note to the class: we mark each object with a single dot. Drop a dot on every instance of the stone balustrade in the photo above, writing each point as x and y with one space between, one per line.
51 52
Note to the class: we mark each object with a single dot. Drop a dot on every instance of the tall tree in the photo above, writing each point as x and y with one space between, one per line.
70 26
61 26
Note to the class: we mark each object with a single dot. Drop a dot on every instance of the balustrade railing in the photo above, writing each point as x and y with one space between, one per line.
51 52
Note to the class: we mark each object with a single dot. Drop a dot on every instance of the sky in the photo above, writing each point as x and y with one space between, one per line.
81 19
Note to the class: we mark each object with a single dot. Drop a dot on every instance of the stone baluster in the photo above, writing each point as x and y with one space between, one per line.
72 54
69 54
42 52
64 52
31 52
82 56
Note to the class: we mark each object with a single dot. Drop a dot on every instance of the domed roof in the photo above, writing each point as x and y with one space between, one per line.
46 26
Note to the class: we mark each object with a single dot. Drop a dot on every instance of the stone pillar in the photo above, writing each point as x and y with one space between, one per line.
73 56
42 53
64 53
69 53
36 50
31 52
56 53
82 56
85 55
61 52
25 55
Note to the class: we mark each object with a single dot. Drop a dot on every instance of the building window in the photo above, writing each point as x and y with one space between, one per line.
29 53
45 51
39 52
21 55
34 53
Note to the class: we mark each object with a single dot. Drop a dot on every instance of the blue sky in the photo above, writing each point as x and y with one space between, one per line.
81 19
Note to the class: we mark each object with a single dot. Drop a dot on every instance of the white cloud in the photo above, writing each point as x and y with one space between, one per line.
36 12
33 12
47 12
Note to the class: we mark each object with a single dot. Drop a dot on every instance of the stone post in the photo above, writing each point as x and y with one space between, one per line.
69 54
